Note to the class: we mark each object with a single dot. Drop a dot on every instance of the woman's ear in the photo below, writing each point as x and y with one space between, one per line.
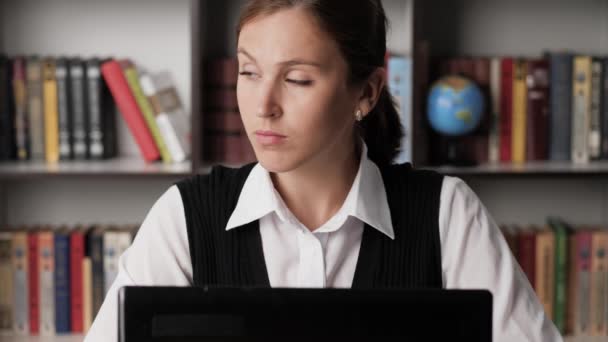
371 90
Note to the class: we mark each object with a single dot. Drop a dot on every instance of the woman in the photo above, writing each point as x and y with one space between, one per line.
324 207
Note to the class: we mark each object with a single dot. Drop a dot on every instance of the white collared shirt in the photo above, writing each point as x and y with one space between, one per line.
474 254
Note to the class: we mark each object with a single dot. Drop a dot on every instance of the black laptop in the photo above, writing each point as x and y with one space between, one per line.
281 314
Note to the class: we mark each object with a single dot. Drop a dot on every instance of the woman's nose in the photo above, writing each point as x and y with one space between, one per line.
268 105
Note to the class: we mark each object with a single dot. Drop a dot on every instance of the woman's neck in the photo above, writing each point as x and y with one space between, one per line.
316 191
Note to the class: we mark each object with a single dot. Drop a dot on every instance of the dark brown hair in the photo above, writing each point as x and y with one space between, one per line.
359 28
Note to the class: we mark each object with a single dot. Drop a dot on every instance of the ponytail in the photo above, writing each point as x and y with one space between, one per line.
381 130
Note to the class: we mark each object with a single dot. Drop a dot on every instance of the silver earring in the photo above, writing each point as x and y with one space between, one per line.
358 115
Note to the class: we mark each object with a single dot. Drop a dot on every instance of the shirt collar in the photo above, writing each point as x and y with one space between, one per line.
366 199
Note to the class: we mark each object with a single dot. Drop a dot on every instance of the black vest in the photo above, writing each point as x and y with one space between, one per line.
235 257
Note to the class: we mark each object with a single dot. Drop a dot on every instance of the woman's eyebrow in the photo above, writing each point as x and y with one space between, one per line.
291 62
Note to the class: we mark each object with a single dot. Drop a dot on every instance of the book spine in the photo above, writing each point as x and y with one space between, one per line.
51 115
518 142
79 107
132 77
7 109
94 89
545 267
95 241
604 109
64 109
108 121
561 106
6 285
76 257
35 109
34 283
110 259
506 108
46 263
62 283
399 86
113 75
21 110
21 282
595 137
581 102
561 281
582 320
537 110
599 283
494 134
87 293
527 255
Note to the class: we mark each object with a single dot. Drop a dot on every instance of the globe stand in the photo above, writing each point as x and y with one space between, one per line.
456 156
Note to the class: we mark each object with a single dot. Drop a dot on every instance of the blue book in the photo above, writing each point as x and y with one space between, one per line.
560 112
62 281
400 87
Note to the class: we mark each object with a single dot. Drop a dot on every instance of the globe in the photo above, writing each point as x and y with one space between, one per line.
455 106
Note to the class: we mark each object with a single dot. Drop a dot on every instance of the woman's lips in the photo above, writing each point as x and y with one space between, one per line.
269 138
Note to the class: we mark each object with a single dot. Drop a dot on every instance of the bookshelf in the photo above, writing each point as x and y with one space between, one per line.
178 35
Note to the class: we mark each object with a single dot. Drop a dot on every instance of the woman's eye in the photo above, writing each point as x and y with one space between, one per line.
246 73
299 82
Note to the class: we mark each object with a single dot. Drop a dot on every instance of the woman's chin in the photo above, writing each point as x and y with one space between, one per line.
277 162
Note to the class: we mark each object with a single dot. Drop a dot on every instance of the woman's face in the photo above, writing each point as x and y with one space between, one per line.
294 101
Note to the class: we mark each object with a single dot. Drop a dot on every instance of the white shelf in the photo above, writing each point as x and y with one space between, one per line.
111 167
542 168
58 338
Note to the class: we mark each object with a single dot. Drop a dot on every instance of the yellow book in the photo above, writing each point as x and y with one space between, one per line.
87 294
545 269
518 125
51 112
581 108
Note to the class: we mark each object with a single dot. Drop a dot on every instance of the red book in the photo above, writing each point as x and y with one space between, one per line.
119 87
527 254
76 300
33 281
537 116
506 108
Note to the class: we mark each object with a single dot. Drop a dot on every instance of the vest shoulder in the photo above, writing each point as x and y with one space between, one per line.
407 171
219 177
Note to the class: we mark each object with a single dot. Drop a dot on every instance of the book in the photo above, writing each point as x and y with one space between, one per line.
581 106
87 293
21 286
506 109
545 269
62 280
537 110
595 110
7 117
33 281
132 76
495 106
518 130
64 108
22 141
7 282
599 284
604 109
399 86
35 108
51 115
172 121
102 133
79 106
561 231
46 269
127 105
77 253
560 106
